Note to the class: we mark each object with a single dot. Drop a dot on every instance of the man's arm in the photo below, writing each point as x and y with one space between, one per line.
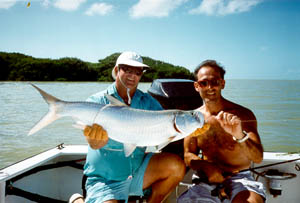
191 150
252 146
192 160
237 127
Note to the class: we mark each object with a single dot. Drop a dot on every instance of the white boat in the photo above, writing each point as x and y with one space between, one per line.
55 174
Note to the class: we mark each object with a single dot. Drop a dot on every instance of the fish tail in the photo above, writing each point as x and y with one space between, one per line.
52 114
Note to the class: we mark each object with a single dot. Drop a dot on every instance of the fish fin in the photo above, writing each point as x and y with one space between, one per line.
151 149
112 100
129 148
79 125
172 138
161 146
48 97
179 137
52 113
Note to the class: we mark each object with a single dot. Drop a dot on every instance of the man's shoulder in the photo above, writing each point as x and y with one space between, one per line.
98 94
238 109
145 95
98 97
146 98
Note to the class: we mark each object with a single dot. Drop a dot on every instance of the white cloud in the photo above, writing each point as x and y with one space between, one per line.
224 7
99 9
68 5
46 3
6 4
154 8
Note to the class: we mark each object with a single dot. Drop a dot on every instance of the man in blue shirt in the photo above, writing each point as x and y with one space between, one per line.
112 176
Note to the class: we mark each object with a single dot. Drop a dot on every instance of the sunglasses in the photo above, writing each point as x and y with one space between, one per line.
212 83
131 70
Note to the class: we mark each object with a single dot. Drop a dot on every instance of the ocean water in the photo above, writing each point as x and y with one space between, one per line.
276 104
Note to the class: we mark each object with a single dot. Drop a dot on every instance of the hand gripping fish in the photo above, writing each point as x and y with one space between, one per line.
132 127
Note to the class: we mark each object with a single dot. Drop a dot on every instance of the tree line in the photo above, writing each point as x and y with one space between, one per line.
20 67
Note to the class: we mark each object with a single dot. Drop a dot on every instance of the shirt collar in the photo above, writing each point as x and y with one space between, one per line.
112 90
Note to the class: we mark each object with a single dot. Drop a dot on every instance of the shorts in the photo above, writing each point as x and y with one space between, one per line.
99 191
238 183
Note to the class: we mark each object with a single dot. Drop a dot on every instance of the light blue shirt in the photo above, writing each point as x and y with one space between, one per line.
109 162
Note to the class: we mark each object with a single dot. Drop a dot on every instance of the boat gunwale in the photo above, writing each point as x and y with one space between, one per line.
39 159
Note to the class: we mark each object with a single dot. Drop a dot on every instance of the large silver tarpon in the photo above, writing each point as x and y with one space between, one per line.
132 127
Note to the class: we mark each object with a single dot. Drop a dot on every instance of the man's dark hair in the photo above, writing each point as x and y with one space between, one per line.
210 63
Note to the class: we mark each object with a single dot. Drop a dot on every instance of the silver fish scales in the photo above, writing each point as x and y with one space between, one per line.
132 127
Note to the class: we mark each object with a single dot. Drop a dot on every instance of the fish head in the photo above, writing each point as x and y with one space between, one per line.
187 122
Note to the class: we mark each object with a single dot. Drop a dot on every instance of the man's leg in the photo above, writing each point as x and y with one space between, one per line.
245 189
163 173
248 196
81 200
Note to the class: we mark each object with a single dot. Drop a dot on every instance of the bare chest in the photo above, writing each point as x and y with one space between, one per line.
225 152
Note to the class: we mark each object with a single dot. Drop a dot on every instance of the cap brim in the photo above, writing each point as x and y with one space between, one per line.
133 63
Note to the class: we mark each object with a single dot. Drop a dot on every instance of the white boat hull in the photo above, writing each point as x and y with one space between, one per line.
57 183
61 182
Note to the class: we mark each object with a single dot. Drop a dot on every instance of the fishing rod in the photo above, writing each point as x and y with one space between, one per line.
268 165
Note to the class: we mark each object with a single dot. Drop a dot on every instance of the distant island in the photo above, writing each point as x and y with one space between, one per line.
20 67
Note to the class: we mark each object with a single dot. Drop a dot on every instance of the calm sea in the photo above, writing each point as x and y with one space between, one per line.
276 104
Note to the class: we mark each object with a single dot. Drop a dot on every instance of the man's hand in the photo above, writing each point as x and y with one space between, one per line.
231 124
96 136
214 175
200 131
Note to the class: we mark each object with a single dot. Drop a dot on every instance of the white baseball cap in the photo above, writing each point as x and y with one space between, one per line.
129 58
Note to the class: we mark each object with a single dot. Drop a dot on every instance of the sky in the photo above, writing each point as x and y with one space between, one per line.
252 39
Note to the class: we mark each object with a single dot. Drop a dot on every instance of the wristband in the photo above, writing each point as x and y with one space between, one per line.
243 139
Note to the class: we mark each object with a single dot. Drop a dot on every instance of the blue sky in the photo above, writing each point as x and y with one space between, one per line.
252 39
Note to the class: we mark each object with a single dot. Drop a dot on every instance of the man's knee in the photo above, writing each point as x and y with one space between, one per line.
175 165
166 165
247 196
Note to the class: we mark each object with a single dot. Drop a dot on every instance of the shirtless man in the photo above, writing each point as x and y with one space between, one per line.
229 146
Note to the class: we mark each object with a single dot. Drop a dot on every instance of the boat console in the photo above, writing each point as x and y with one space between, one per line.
175 94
